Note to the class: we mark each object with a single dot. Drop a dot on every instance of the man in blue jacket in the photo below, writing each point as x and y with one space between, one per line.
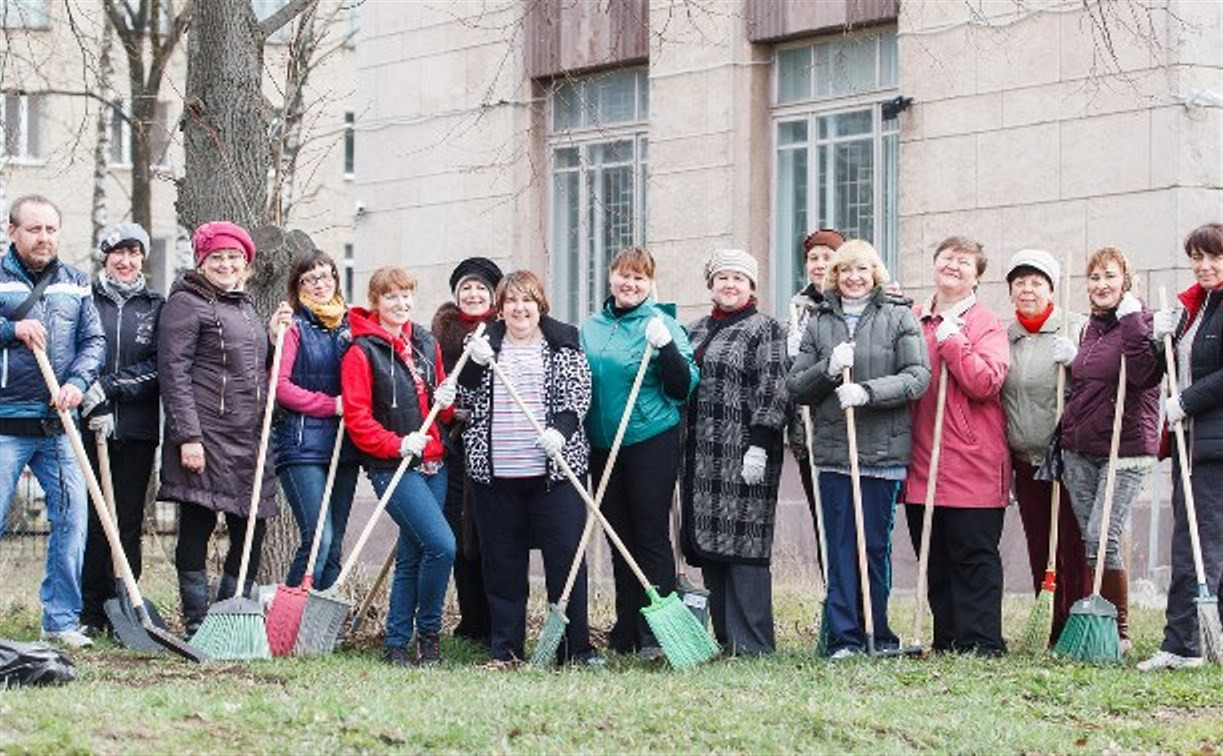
46 304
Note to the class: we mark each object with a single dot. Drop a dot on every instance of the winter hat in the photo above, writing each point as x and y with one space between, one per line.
121 235
215 235
825 237
733 260
480 268
1036 259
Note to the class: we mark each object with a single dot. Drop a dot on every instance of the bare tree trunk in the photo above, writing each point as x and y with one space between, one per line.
101 150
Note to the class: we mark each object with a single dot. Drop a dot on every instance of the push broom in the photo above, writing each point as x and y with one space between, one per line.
923 556
234 628
285 613
1034 639
1091 634
554 626
684 642
159 635
1209 632
325 611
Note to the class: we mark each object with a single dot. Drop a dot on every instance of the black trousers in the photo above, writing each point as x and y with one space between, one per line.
131 464
637 504
1181 630
195 526
468 576
511 515
964 578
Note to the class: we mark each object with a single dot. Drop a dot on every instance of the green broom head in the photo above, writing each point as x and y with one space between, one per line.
678 631
1090 634
1034 640
233 629
1210 635
322 620
285 617
821 640
550 637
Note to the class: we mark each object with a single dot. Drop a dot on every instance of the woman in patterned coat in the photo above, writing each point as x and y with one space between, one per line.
733 454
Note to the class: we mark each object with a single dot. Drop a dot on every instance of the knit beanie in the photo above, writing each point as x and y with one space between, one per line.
121 235
1038 260
825 237
730 260
481 268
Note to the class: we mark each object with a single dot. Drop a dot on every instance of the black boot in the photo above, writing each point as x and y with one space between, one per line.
193 591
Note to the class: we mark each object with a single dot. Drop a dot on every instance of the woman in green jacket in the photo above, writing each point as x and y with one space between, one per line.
637 502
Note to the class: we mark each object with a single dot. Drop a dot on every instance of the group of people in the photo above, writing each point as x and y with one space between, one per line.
539 404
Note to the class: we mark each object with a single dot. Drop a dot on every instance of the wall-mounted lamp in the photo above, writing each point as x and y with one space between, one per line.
896 106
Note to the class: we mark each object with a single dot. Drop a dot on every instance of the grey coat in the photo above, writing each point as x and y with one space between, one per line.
890 362
1029 394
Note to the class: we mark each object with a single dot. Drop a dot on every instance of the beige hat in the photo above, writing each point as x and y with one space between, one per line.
1038 260
730 259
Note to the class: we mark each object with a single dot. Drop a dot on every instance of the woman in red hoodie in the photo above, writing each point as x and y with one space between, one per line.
390 377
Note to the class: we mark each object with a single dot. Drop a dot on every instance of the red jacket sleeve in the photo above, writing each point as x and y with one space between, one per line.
357 383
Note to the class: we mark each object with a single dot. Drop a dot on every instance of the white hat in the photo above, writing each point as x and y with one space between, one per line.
730 259
1037 259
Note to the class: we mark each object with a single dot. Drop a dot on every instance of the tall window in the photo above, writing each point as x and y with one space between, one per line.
350 145
835 154
348 270
600 161
22 127
121 131
24 14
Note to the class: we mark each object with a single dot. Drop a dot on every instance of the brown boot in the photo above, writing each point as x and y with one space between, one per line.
1115 587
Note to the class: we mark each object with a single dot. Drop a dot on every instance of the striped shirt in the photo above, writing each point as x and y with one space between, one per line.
514 452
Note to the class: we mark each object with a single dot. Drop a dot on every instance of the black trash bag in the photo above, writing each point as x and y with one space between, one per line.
1051 468
33 664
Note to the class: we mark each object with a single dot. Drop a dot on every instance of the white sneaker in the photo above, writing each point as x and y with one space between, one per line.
842 653
1169 660
71 638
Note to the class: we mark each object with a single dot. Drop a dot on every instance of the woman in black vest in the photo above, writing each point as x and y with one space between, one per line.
391 376
308 393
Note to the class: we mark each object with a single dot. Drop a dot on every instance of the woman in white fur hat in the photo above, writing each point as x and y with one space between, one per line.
733 454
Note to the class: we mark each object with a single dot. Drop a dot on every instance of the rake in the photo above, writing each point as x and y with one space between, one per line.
1210 634
325 611
554 627
1091 634
684 642
159 635
285 613
235 628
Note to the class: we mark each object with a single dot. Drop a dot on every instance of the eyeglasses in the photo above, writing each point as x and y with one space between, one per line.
316 278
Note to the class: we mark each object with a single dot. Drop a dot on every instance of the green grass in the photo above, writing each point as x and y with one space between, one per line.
349 701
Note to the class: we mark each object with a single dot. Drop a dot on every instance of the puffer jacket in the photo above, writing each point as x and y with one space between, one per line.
1203 400
212 364
566 400
76 345
890 362
1029 394
129 377
1087 423
613 347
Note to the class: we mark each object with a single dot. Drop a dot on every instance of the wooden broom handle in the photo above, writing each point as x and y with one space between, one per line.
269 409
325 504
821 537
855 478
573 479
108 486
1110 479
401 469
625 416
1055 494
1182 454
936 448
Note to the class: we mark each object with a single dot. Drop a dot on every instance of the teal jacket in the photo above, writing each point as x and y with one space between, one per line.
613 347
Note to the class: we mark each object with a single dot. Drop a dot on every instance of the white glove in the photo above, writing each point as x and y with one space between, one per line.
754 460
949 326
657 333
551 441
842 357
413 444
445 393
1174 410
105 424
480 350
1128 305
1164 324
794 341
339 406
852 395
1064 351
93 397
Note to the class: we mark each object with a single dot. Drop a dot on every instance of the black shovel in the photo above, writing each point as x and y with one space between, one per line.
119 611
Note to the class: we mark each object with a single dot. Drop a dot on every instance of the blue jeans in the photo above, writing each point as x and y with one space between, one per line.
423 555
50 459
303 486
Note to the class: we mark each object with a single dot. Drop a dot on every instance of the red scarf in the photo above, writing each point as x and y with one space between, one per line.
1033 323
1193 298
474 319
720 314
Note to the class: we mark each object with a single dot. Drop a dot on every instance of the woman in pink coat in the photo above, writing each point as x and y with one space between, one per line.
965 568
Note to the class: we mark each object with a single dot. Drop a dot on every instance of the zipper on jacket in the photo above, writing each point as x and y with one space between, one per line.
4 370
114 405
224 357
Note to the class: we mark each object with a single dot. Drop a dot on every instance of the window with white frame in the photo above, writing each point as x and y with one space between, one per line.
599 164
24 14
350 144
22 126
121 132
835 155
349 270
